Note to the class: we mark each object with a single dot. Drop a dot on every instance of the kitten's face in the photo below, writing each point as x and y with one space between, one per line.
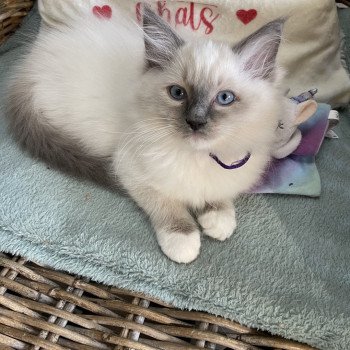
205 93
205 96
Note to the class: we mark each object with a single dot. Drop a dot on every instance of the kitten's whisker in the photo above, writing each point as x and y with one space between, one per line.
142 137
143 153
144 144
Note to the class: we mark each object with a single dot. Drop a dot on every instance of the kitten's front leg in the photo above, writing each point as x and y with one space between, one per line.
177 232
218 220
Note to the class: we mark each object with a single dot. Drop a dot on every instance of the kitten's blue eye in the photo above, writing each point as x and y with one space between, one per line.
225 98
177 92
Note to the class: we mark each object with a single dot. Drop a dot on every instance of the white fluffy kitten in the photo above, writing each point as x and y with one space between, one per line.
165 115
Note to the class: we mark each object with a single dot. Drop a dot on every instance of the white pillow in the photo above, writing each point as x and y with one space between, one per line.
310 51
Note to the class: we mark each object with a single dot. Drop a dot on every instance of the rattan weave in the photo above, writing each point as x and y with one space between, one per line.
11 14
345 2
45 309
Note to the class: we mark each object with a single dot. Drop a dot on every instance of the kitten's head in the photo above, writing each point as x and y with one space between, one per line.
207 93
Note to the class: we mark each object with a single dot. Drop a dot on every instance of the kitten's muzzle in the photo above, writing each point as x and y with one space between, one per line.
197 114
196 125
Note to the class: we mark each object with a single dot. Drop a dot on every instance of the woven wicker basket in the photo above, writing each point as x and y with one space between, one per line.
11 14
345 2
45 309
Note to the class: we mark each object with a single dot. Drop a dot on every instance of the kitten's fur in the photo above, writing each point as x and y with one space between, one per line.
93 94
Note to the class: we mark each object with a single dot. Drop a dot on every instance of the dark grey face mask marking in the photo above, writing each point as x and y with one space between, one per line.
198 110
43 141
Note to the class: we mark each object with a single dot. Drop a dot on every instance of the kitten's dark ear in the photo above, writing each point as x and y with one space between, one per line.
161 41
259 50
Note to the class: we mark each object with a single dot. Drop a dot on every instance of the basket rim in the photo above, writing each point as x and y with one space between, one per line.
44 307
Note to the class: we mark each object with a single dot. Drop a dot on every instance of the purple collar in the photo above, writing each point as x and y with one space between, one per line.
234 165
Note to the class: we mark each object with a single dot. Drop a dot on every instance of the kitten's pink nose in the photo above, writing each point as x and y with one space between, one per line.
196 125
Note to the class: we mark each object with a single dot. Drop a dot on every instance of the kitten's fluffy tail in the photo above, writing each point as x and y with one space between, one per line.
43 141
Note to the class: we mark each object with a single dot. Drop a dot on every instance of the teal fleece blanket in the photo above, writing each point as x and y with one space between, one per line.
286 270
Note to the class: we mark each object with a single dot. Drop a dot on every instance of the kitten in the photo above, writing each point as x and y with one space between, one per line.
184 126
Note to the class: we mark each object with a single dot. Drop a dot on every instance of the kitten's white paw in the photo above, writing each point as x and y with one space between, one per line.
218 224
180 247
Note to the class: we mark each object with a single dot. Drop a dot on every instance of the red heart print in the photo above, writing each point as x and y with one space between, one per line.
104 11
246 16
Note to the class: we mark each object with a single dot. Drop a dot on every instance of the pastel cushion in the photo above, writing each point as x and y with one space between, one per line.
311 48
